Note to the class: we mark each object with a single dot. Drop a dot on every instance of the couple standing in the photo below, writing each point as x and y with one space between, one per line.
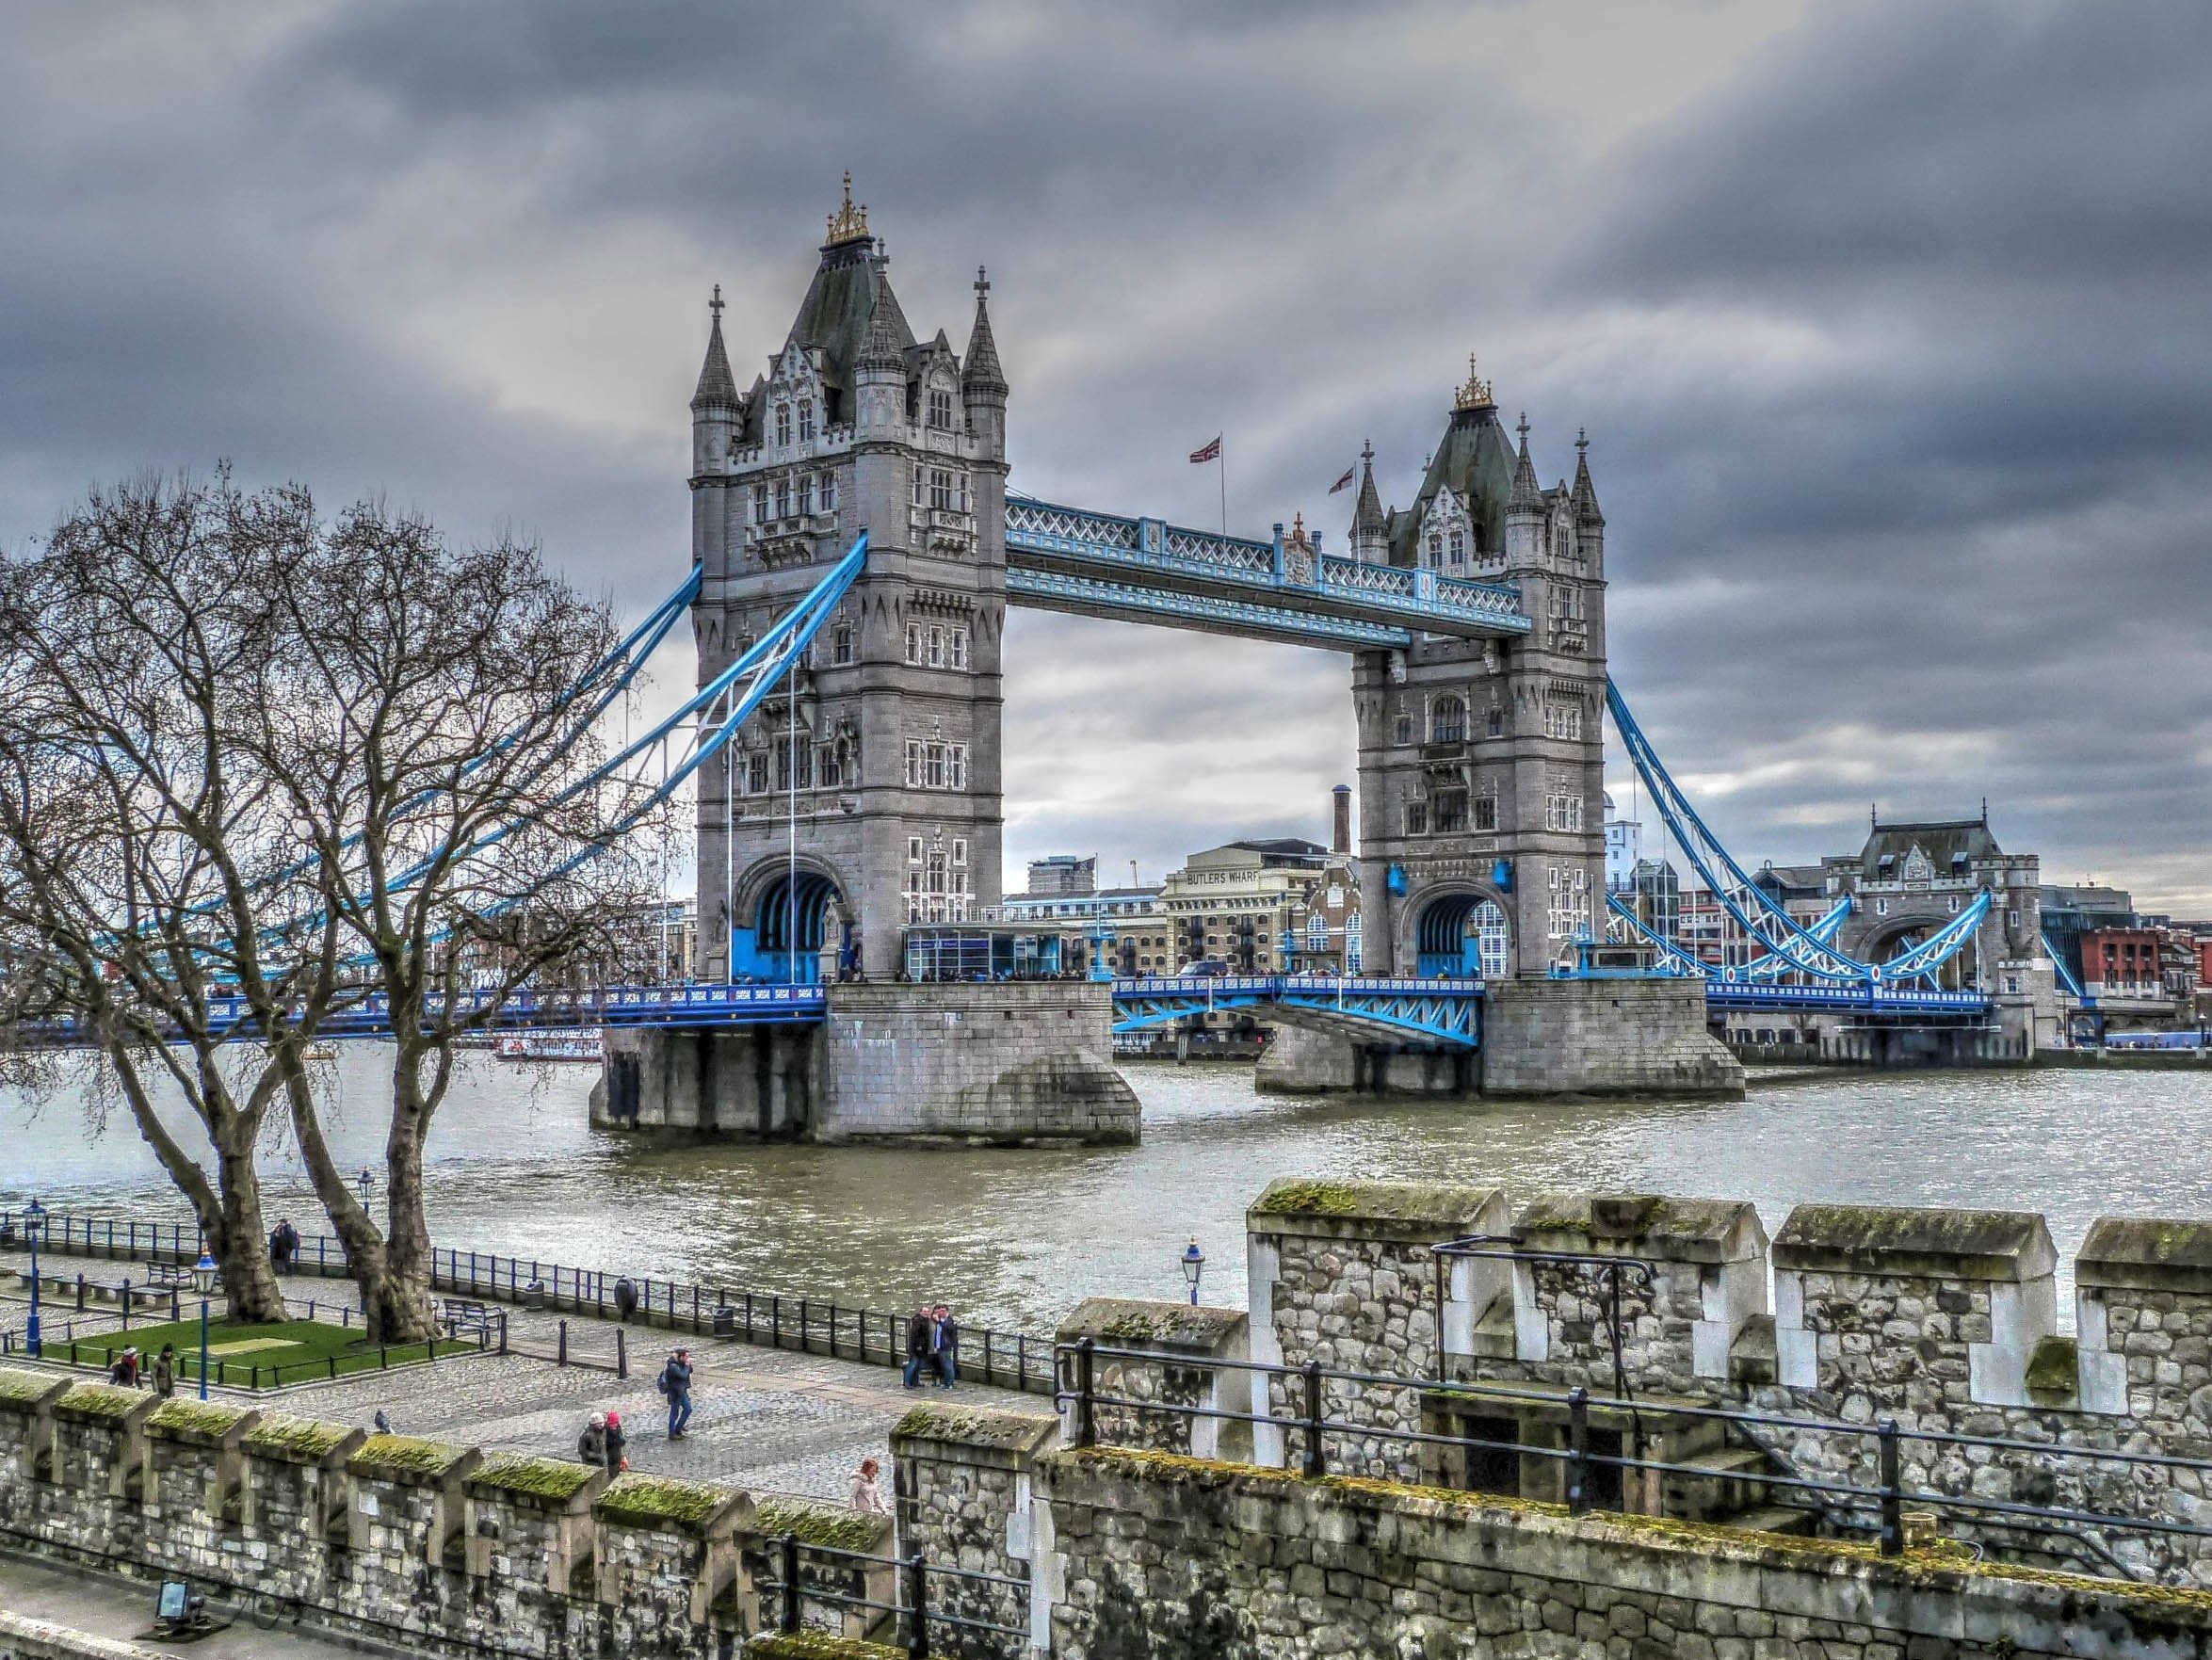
933 1340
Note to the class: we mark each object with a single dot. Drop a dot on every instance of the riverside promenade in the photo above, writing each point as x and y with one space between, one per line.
773 1421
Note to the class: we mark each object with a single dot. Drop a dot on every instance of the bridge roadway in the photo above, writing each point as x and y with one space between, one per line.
1446 1011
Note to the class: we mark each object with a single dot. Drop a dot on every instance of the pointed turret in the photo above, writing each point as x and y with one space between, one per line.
718 387
1586 501
883 347
1527 494
979 371
1370 528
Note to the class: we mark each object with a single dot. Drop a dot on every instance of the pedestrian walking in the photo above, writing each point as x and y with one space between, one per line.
284 1245
921 1332
616 1441
867 1491
124 1372
946 1347
675 1383
165 1371
625 1299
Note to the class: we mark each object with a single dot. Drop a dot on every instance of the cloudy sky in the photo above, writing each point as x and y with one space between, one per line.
1891 325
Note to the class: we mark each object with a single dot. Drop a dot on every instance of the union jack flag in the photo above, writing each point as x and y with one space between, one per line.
1211 452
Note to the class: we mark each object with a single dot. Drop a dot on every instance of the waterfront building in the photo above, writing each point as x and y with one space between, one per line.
1063 873
1624 849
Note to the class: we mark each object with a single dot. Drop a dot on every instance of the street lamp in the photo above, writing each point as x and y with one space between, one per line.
1194 1263
34 1223
367 1182
203 1272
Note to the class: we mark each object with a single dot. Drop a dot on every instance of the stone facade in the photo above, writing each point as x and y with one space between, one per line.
1206 1345
1010 1063
1626 1037
855 426
964 1500
1481 762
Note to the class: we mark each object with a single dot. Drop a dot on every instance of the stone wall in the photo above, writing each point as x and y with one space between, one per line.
1942 1321
1342 1274
431 1547
1015 1063
964 1500
1201 1373
1167 1556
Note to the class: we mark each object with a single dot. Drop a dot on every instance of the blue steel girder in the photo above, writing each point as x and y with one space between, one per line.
1442 1011
1144 570
1863 997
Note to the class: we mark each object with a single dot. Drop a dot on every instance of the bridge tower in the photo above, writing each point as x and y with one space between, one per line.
866 794
1482 762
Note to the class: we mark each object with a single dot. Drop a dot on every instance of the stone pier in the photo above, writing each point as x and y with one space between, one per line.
1540 1036
1002 1064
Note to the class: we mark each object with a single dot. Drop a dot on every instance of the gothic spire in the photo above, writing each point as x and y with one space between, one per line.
882 347
718 387
1586 501
1527 492
1367 518
981 372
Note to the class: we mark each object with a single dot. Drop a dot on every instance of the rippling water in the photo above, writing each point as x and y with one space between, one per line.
1015 1237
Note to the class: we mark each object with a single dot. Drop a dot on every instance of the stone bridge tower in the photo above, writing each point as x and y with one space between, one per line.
1482 762
891 778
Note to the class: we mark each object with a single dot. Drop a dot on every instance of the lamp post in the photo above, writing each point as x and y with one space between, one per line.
367 1182
34 1223
203 1272
1194 1264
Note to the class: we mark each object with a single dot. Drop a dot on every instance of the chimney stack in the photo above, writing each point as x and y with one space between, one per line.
1340 824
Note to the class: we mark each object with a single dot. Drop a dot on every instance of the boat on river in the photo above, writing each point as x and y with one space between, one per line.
548 1046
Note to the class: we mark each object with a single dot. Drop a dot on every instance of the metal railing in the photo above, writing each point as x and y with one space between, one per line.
1004 1360
913 1606
1838 1500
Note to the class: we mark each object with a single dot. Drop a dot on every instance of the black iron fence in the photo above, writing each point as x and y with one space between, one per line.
1008 1359
1879 1508
914 1607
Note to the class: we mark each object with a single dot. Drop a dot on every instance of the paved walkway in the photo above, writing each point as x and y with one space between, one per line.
771 1421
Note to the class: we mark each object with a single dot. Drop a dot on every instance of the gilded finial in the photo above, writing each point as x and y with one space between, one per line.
1298 526
848 223
1476 394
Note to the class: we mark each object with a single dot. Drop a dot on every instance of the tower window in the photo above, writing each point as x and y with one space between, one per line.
783 498
941 494
840 643
914 642
1486 812
829 492
760 504
806 420
1447 720
1405 729
756 773
806 494
783 423
1416 818
941 409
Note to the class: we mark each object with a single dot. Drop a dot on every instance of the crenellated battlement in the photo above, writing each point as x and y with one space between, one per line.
392 1538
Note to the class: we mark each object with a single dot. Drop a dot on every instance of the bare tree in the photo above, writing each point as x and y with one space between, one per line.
143 848
258 769
438 748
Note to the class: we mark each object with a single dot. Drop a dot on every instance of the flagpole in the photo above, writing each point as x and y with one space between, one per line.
1223 460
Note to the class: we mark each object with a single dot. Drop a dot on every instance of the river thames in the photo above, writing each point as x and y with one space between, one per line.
1015 1237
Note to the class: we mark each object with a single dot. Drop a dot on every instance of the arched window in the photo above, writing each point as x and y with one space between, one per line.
914 642
1316 932
941 409
1447 720
783 423
1458 548
806 420
1435 549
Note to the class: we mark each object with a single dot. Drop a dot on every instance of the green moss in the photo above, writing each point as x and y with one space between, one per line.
2053 1370
24 1388
100 1400
404 1458
972 1425
196 1420
817 1645
303 1440
1308 1198
553 1481
659 1501
833 1525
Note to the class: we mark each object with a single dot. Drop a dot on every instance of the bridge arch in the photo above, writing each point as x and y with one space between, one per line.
784 909
1466 932
1893 934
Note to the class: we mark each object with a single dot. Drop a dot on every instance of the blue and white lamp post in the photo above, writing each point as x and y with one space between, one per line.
1194 1264
204 1273
34 1224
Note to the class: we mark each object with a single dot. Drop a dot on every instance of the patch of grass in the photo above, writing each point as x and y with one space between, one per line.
266 1355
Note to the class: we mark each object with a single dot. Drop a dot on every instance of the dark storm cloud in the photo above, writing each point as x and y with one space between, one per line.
1888 324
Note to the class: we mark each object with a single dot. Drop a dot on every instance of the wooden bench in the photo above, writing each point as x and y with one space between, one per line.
464 1314
62 1287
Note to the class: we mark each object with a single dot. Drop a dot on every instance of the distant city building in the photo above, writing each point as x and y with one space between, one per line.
1063 873
1624 849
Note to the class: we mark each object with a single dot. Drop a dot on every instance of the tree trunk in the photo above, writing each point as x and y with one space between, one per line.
238 1242
404 1302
